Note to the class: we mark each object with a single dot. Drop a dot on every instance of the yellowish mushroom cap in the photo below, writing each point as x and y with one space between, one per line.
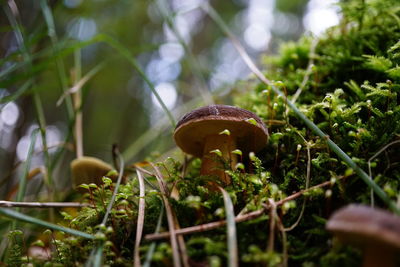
86 170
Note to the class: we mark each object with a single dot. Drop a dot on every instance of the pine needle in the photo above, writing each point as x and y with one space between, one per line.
140 219
170 217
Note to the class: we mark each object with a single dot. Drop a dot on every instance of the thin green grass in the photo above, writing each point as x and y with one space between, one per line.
23 180
150 251
114 195
96 255
18 93
25 218
48 16
200 81
123 51
233 259
369 165
161 125
16 26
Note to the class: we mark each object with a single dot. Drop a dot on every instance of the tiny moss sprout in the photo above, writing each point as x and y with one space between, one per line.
216 152
251 121
226 132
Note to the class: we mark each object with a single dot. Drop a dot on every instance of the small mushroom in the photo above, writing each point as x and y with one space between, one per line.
203 130
376 231
89 170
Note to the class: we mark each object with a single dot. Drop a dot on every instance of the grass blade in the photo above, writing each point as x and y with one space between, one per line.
22 217
154 132
131 59
170 217
140 219
200 81
48 16
23 180
332 145
95 258
81 82
231 230
16 26
369 165
150 252
114 195
11 204
24 88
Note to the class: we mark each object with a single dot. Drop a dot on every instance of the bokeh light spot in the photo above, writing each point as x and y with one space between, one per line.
167 93
82 29
321 15
257 37
10 114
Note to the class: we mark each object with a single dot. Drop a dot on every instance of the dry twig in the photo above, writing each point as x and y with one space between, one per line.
140 220
241 218
170 216
12 204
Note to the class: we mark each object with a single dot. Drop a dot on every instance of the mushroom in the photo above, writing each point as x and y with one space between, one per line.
89 170
203 130
376 231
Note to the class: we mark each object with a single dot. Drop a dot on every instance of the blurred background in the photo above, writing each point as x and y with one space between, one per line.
104 58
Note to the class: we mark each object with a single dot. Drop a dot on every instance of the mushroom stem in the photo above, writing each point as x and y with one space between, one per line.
375 256
211 163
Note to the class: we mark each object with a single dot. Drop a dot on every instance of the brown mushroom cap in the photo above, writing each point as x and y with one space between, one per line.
363 226
195 126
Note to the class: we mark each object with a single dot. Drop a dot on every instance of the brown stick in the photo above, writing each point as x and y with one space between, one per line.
238 219
11 204
170 217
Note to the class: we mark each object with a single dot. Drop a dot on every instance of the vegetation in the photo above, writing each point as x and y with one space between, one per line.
346 81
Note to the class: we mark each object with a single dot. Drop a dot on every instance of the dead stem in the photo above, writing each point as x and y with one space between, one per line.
5 178
369 166
303 207
238 219
272 219
78 124
284 242
140 219
182 245
11 204
170 216
308 72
